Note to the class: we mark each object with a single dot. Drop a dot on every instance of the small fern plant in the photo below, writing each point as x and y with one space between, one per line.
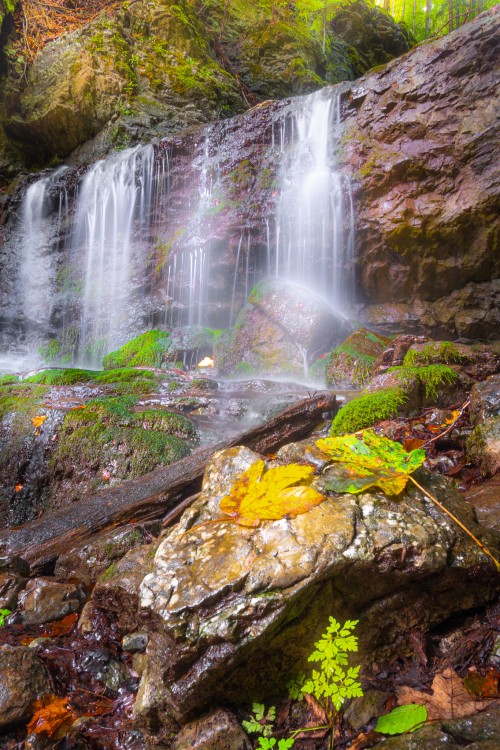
261 721
331 684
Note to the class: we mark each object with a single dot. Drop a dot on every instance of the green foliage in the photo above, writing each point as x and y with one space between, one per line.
366 410
268 743
435 18
150 349
260 722
332 682
3 614
439 352
295 687
369 461
402 719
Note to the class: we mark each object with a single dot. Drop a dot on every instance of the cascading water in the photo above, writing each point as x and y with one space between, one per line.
314 239
111 229
150 237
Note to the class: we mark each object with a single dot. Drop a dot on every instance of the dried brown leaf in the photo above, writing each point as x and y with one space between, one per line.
449 698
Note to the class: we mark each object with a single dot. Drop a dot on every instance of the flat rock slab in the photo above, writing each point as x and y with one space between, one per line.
486 500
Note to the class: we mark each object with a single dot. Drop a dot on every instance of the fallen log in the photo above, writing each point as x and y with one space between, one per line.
152 495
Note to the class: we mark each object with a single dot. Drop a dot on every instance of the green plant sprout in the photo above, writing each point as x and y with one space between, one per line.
267 743
331 684
3 614
260 722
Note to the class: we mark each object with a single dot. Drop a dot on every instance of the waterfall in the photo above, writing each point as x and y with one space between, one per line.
162 235
314 238
112 220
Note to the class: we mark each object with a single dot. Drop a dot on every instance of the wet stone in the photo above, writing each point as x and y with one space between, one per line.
10 586
87 561
23 679
485 399
227 607
219 730
45 599
135 641
14 565
101 666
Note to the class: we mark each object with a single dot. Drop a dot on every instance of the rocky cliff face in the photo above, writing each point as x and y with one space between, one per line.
152 68
417 145
421 145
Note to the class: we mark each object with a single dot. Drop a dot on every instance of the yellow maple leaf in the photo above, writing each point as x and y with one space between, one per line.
260 495
39 420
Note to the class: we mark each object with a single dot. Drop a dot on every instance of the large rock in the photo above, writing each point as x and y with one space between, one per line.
234 611
483 445
283 328
419 141
23 679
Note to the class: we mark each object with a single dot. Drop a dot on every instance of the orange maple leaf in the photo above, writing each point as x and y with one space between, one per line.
39 420
52 716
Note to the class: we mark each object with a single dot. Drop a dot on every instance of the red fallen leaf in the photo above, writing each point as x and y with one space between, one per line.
18 487
482 686
410 444
82 406
51 716
61 627
106 475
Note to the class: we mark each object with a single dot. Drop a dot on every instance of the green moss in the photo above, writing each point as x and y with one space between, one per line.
150 348
431 377
20 398
130 381
62 377
108 574
443 352
175 424
8 379
50 351
366 410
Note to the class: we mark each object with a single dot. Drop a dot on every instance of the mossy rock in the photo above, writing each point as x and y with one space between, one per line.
62 377
367 410
150 349
109 436
349 364
437 352
400 391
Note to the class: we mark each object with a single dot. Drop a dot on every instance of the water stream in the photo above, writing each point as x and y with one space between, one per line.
135 241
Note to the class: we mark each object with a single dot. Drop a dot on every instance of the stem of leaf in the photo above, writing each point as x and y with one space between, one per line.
308 729
457 521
